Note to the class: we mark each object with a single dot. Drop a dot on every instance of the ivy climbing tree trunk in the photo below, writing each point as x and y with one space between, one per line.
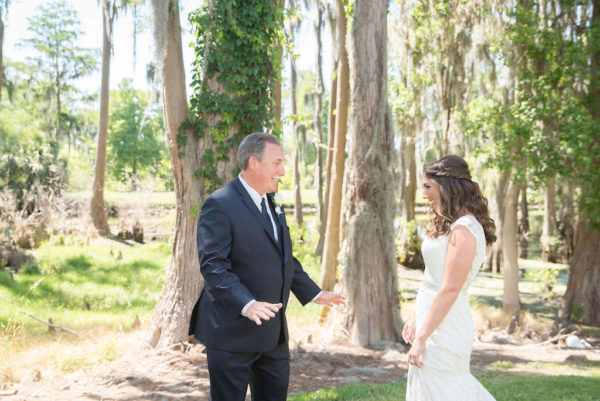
372 316
183 281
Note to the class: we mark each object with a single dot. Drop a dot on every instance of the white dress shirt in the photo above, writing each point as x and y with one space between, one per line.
257 199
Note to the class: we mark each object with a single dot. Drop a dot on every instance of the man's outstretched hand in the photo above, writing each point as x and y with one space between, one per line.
331 299
259 311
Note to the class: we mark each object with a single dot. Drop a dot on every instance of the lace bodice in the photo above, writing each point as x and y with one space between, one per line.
434 253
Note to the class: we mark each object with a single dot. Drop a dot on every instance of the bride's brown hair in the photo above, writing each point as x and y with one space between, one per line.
458 193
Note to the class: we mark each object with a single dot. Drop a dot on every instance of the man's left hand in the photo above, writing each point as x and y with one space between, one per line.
331 299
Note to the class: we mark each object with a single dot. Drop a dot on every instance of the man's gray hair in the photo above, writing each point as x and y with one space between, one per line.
254 145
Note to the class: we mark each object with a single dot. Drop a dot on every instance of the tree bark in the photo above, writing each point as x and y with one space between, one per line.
295 131
97 208
318 125
409 250
549 225
330 137
183 280
277 105
581 302
332 232
511 303
372 316
1 61
494 257
523 224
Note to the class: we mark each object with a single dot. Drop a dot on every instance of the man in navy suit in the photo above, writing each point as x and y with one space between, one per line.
246 260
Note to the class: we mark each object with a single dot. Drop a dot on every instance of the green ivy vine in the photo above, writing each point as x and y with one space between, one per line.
238 42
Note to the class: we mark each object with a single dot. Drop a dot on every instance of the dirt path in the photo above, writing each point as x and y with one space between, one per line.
181 374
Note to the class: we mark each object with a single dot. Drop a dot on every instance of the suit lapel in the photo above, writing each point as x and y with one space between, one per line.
283 226
253 209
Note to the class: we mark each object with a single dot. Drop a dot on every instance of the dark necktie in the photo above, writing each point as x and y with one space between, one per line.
263 209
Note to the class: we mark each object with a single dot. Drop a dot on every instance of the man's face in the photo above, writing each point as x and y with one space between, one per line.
269 170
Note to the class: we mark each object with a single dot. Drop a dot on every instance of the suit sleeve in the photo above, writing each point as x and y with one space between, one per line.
214 241
303 287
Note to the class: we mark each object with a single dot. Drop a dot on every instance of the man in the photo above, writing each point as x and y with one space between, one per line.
246 260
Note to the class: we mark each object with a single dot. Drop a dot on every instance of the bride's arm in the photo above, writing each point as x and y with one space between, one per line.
459 259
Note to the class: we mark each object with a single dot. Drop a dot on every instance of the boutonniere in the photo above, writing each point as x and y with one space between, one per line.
277 199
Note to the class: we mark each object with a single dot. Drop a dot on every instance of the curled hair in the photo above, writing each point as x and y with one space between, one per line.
458 194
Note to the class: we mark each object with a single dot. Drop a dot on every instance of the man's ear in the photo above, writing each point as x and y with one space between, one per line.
251 161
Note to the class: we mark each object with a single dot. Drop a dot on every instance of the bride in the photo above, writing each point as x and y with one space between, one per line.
441 332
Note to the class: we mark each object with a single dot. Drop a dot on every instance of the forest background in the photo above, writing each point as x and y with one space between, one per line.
108 151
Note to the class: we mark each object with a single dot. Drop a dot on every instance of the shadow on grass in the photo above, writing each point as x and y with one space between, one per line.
487 300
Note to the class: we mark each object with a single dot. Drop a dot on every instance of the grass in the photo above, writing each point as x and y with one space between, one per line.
103 283
304 243
506 381
96 289
130 198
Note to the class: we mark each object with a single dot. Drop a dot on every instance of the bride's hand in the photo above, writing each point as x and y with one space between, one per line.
415 355
408 332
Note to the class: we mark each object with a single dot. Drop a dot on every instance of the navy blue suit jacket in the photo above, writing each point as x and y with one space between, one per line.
240 260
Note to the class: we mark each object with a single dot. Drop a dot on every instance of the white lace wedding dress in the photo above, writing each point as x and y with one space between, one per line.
445 375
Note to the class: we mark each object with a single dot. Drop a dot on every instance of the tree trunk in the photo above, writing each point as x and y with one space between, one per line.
372 316
409 249
331 114
581 302
97 209
277 105
332 232
549 226
1 63
183 280
494 257
523 224
510 299
295 131
566 224
318 125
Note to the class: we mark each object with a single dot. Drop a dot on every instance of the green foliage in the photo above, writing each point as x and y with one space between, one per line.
31 169
548 128
135 148
236 46
55 28
545 280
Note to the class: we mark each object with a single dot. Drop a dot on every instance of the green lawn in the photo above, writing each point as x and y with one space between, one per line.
506 387
81 285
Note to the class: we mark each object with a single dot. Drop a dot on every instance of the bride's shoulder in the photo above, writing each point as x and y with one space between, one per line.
469 221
